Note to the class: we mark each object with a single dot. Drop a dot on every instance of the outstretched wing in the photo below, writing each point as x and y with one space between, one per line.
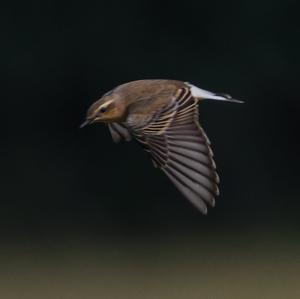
179 147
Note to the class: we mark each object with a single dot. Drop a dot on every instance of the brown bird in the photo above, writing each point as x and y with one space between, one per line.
162 115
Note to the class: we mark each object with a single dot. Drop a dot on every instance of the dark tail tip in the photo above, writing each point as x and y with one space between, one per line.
229 98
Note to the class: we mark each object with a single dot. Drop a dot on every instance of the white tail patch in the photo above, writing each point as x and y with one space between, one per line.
204 94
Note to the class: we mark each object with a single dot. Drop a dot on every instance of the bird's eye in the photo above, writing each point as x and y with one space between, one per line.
103 109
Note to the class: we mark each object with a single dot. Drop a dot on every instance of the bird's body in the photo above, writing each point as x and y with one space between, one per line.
162 115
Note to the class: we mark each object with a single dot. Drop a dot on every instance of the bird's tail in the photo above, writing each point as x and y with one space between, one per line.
205 94
224 97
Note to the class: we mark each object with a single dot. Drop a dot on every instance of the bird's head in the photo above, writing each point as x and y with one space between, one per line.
107 109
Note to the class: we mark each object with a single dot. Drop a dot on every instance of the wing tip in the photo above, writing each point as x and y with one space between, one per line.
204 212
201 208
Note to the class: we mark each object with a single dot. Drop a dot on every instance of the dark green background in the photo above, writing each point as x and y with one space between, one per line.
68 190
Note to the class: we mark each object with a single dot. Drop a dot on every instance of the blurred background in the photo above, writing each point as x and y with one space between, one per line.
81 217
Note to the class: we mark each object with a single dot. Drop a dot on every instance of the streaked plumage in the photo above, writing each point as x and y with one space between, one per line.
162 115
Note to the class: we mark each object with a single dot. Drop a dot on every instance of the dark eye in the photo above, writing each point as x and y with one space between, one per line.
103 109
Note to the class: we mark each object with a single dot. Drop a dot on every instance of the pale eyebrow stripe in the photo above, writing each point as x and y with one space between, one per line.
104 105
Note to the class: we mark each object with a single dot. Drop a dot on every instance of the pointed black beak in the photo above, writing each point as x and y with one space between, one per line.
85 123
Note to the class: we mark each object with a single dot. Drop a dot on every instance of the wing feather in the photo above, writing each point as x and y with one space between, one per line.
119 132
179 146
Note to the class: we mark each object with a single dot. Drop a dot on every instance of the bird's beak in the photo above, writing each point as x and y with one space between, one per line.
85 123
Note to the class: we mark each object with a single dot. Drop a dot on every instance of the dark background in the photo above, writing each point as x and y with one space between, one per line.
69 192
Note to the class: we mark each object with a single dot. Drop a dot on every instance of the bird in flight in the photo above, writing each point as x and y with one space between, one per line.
162 115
